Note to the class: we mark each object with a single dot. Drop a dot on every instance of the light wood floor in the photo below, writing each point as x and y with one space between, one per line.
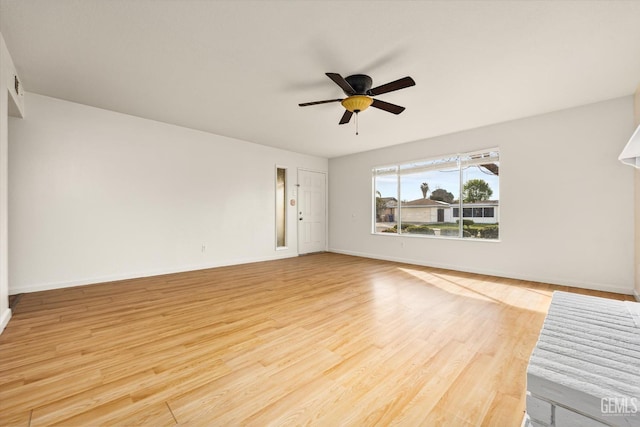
324 339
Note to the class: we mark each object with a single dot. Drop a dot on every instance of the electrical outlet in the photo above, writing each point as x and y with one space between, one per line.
204 248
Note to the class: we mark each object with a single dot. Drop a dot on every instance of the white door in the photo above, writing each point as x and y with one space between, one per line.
312 212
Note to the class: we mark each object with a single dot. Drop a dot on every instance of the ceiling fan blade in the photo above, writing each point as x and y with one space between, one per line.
386 106
306 104
394 85
346 117
340 81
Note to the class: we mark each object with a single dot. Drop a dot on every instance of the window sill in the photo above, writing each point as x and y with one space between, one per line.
431 237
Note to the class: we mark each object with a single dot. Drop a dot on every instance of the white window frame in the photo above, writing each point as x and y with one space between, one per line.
460 160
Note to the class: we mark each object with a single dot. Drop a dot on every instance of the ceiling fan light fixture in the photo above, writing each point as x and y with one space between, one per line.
357 103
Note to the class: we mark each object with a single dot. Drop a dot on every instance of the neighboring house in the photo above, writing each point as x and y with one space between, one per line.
425 211
486 212
385 208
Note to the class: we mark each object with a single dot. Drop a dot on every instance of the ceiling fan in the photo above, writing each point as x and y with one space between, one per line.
359 94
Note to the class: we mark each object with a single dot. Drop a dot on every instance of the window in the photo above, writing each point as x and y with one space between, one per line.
425 197
475 213
281 207
386 199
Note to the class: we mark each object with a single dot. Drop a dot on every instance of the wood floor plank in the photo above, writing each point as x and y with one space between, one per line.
324 339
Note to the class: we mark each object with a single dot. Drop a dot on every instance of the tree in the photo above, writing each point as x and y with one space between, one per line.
425 189
441 195
476 190
380 205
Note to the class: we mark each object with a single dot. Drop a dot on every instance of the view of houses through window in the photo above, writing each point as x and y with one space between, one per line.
426 197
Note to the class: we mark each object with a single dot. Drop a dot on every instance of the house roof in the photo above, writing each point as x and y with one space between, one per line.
483 203
424 203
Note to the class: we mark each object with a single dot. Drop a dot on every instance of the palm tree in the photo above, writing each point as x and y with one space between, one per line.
425 189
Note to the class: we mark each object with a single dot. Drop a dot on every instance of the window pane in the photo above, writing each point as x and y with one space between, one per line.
456 212
386 199
481 194
427 191
281 207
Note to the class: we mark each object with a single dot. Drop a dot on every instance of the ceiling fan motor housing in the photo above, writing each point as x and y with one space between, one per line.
360 83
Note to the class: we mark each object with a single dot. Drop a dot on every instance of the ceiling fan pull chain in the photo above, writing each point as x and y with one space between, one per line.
357 122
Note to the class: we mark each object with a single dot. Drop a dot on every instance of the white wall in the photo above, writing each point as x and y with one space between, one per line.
96 195
565 160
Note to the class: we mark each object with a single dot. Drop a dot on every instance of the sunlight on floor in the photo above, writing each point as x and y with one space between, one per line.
498 290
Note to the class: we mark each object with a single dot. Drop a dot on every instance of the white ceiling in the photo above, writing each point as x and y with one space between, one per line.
240 68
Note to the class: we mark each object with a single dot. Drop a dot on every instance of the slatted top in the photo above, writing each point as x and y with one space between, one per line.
588 350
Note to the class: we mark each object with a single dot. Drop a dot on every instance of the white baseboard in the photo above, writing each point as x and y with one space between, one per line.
4 319
139 274
550 280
